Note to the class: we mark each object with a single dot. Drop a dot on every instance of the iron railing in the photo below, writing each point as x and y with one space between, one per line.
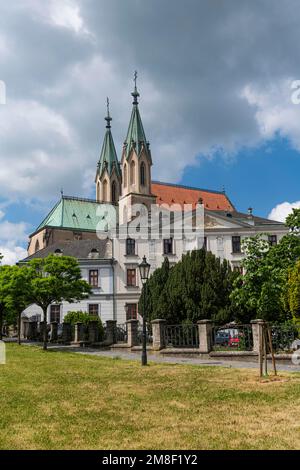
121 333
181 336
149 337
233 337
284 337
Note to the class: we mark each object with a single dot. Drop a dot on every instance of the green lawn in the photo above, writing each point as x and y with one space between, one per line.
58 400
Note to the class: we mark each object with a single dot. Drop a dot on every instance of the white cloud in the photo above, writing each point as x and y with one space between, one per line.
12 237
12 253
281 211
274 110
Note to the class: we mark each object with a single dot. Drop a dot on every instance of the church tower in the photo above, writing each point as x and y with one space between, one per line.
108 177
136 164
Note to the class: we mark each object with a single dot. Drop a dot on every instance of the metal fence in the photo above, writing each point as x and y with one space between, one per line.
121 333
233 337
285 337
181 336
149 336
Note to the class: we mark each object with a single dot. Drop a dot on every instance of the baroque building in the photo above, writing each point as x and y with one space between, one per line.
86 228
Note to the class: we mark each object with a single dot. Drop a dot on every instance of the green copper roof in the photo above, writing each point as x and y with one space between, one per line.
108 157
79 214
136 137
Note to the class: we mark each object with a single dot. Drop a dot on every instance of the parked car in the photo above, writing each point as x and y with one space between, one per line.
234 341
222 338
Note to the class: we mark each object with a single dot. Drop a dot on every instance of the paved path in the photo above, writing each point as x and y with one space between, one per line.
159 358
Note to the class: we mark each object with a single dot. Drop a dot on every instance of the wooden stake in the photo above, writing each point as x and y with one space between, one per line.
260 349
272 351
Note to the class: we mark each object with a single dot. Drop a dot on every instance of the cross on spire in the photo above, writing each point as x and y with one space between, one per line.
108 119
135 93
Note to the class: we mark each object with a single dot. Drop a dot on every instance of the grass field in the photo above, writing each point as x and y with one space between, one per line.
58 400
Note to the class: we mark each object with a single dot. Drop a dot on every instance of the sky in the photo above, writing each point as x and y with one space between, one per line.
219 100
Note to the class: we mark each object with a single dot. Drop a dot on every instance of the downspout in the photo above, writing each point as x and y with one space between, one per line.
114 283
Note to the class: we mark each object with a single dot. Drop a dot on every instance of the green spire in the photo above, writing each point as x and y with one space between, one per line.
136 137
108 157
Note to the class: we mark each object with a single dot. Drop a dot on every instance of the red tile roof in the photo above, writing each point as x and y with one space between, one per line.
176 194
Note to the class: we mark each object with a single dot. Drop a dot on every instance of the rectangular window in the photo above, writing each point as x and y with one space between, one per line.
94 310
272 240
55 313
130 246
238 269
168 246
131 312
94 277
236 244
205 243
131 277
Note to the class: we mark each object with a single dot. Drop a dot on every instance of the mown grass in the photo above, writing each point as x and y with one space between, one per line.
59 400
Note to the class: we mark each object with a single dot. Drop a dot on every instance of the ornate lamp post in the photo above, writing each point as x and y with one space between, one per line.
144 269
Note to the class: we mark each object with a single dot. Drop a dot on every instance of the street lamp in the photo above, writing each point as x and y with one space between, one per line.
144 269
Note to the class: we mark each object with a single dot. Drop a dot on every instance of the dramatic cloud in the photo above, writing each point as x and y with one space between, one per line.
281 211
12 238
213 76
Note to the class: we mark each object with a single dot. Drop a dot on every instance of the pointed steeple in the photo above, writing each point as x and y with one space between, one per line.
108 157
136 137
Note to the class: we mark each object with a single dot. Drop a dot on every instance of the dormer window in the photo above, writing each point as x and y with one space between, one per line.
94 254
58 252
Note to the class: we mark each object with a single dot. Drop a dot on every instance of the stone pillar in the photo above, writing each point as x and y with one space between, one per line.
24 321
25 329
79 332
32 330
53 331
132 333
205 328
67 333
257 326
93 331
111 331
158 329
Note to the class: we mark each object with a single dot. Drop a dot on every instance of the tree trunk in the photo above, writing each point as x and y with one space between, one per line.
19 329
45 330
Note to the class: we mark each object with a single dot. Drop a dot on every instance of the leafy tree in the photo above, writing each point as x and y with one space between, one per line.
293 291
261 290
293 221
54 279
15 288
197 287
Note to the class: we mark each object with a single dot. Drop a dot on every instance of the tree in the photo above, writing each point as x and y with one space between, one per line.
54 279
260 292
15 288
14 295
293 221
197 287
293 291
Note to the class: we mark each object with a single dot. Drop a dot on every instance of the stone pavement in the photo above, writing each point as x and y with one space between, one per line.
159 358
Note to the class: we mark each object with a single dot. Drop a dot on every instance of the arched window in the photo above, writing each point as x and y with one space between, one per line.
125 176
132 172
37 246
104 190
113 192
143 174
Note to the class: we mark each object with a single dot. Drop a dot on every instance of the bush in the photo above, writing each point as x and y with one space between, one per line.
85 318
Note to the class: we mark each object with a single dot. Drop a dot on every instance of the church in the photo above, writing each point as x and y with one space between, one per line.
86 228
